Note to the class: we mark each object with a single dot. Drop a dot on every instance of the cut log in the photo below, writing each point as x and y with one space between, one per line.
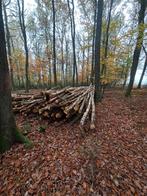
72 103
92 124
86 112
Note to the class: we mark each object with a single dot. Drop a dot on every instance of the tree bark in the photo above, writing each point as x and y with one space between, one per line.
87 67
48 57
72 23
67 60
8 44
54 42
144 69
97 50
8 130
83 63
137 47
23 30
62 59
93 42
125 79
7 122
103 71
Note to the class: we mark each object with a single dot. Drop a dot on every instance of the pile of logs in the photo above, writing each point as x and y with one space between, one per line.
71 103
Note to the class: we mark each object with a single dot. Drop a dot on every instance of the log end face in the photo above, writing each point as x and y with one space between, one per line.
92 126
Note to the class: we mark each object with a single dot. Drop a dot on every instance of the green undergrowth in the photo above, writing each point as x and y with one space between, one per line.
19 137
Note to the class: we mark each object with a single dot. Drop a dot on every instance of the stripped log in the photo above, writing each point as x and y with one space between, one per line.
86 112
92 124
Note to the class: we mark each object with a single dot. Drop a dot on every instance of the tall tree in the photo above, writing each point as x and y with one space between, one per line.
23 30
8 41
62 55
144 69
136 55
107 39
93 41
72 23
97 50
67 59
54 42
8 130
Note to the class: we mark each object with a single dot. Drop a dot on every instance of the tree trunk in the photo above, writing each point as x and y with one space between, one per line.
27 67
62 59
74 47
8 130
143 72
18 73
67 61
8 44
72 23
7 122
87 67
125 80
137 47
83 63
103 71
97 50
126 69
23 30
48 57
93 43
54 42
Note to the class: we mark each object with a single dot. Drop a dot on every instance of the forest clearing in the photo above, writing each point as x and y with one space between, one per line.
73 97
110 160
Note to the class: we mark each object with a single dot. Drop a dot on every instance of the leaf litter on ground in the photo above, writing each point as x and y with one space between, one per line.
110 160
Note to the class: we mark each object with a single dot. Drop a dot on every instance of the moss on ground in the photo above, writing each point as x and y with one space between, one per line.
19 137
6 141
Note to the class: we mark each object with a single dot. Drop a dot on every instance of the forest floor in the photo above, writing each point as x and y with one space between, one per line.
111 160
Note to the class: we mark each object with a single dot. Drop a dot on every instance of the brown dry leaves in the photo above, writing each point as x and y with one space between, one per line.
112 160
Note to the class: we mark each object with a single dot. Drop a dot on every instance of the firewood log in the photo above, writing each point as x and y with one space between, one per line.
55 105
92 125
86 112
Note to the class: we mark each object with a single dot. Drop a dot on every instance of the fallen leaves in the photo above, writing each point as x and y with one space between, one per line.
111 160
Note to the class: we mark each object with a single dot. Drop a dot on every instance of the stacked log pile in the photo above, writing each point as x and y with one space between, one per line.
71 103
